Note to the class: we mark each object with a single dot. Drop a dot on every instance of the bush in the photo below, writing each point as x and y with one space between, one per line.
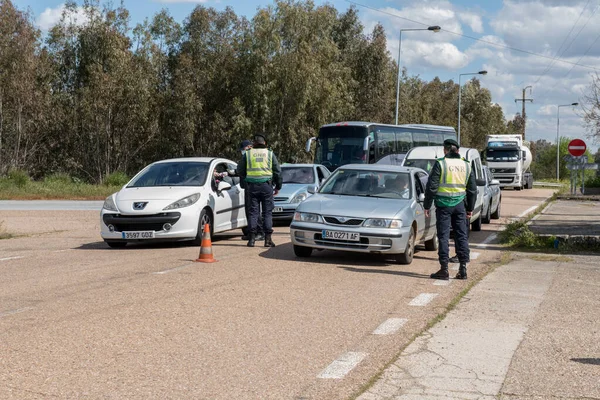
19 177
116 179
58 178
593 182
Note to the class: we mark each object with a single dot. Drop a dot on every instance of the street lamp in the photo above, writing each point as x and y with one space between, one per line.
434 28
557 136
459 93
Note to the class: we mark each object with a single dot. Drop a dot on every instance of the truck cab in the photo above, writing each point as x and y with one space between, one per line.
508 159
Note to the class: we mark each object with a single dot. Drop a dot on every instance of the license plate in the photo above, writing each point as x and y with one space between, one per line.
337 235
278 209
138 235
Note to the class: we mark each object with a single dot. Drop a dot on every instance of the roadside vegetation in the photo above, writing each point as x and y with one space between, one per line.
3 233
17 185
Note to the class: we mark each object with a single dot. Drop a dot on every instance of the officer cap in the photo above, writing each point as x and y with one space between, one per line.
244 144
260 138
451 142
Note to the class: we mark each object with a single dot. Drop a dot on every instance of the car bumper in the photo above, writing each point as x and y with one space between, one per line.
286 213
385 241
184 225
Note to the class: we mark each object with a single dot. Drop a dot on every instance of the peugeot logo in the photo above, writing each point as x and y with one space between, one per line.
140 205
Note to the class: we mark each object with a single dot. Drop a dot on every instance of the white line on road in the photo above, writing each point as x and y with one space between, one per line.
423 299
475 255
11 258
530 209
166 271
390 326
340 367
11 312
487 241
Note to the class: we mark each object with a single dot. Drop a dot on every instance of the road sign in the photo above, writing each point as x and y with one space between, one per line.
581 166
577 147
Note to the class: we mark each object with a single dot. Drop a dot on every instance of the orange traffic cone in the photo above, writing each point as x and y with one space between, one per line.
206 247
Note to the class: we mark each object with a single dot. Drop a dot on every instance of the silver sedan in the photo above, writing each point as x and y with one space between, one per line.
368 209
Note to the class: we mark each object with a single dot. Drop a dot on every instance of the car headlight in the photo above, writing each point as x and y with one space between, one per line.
109 204
383 223
299 198
307 217
185 202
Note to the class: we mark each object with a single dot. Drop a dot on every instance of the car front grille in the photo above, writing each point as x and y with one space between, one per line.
281 198
349 222
503 170
153 222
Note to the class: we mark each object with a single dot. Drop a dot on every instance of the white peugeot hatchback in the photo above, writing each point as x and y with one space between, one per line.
173 200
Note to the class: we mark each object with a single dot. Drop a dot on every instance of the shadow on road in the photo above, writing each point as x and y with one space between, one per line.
386 271
592 361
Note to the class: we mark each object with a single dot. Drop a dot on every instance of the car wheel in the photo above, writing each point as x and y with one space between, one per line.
496 214
488 215
303 252
476 226
407 257
115 244
432 244
205 218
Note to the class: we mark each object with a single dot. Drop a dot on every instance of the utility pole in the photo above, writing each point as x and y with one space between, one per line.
523 100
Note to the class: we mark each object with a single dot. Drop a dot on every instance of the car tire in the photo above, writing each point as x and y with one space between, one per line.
476 226
432 244
205 218
488 215
496 214
115 244
407 257
302 252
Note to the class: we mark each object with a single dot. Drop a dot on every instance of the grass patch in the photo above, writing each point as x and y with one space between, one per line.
57 186
505 258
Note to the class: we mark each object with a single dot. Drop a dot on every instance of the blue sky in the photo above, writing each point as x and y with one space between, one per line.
567 28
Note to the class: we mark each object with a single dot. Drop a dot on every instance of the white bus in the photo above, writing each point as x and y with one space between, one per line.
370 143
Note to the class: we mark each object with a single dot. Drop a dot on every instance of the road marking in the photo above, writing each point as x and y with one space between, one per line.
166 271
61 251
423 299
487 241
11 258
340 367
530 209
475 255
439 282
17 311
390 326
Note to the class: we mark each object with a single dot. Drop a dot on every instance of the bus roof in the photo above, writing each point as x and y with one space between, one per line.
413 126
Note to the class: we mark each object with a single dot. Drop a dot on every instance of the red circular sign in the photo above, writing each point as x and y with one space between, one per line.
577 147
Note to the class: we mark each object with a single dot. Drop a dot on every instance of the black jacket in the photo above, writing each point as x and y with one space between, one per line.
434 182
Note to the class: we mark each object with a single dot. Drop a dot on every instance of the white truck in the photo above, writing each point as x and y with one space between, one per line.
508 159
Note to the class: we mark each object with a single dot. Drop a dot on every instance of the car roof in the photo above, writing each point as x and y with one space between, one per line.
380 168
300 165
193 159
434 152
413 126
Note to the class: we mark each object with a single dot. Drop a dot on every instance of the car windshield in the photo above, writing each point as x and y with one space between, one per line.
423 164
384 184
302 175
172 174
502 155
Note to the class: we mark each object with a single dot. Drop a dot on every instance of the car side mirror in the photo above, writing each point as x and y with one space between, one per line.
223 186
308 144
480 182
312 189
495 182
421 197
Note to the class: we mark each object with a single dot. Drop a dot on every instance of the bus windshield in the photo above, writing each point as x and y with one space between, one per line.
340 145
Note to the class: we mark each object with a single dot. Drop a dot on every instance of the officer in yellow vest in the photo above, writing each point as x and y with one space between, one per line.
261 172
450 181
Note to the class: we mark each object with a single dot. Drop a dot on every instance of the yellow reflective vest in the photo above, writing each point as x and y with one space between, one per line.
259 165
454 176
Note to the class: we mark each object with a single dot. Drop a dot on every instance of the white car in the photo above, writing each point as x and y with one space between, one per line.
172 200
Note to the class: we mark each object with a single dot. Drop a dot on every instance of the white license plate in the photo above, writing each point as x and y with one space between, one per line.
278 209
337 235
138 235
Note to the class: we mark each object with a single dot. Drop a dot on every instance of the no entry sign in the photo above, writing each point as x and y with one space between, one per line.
577 147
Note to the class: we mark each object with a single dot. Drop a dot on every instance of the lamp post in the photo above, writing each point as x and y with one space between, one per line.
459 95
558 137
434 28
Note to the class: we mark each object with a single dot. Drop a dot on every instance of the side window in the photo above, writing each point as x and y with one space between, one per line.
424 178
385 142
404 141
320 174
436 139
419 188
325 172
476 165
420 139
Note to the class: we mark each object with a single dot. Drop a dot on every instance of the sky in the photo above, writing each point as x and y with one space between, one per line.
551 45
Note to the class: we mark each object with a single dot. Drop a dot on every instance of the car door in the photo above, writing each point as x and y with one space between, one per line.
419 211
487 195
477 168
494 191
222 201
238 212
429 222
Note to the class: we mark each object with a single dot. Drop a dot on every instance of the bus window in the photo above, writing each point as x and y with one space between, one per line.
339 145
436 139
404 140
420 139
386 143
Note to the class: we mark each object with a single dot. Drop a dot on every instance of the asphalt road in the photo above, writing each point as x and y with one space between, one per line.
78 319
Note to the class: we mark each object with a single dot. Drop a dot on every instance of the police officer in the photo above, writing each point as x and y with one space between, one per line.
260 235
449 183
261 171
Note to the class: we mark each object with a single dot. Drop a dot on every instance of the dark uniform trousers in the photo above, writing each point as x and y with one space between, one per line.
457 218
259 227
261 196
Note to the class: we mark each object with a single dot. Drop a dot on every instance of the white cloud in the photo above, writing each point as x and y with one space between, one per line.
51 16
473 20
548 109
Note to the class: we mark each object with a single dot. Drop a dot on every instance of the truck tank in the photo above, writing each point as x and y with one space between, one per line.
528 156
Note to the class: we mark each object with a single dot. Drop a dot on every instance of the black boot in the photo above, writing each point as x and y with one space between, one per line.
251 240
260 236
441 274
268 241
453 260
462 272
